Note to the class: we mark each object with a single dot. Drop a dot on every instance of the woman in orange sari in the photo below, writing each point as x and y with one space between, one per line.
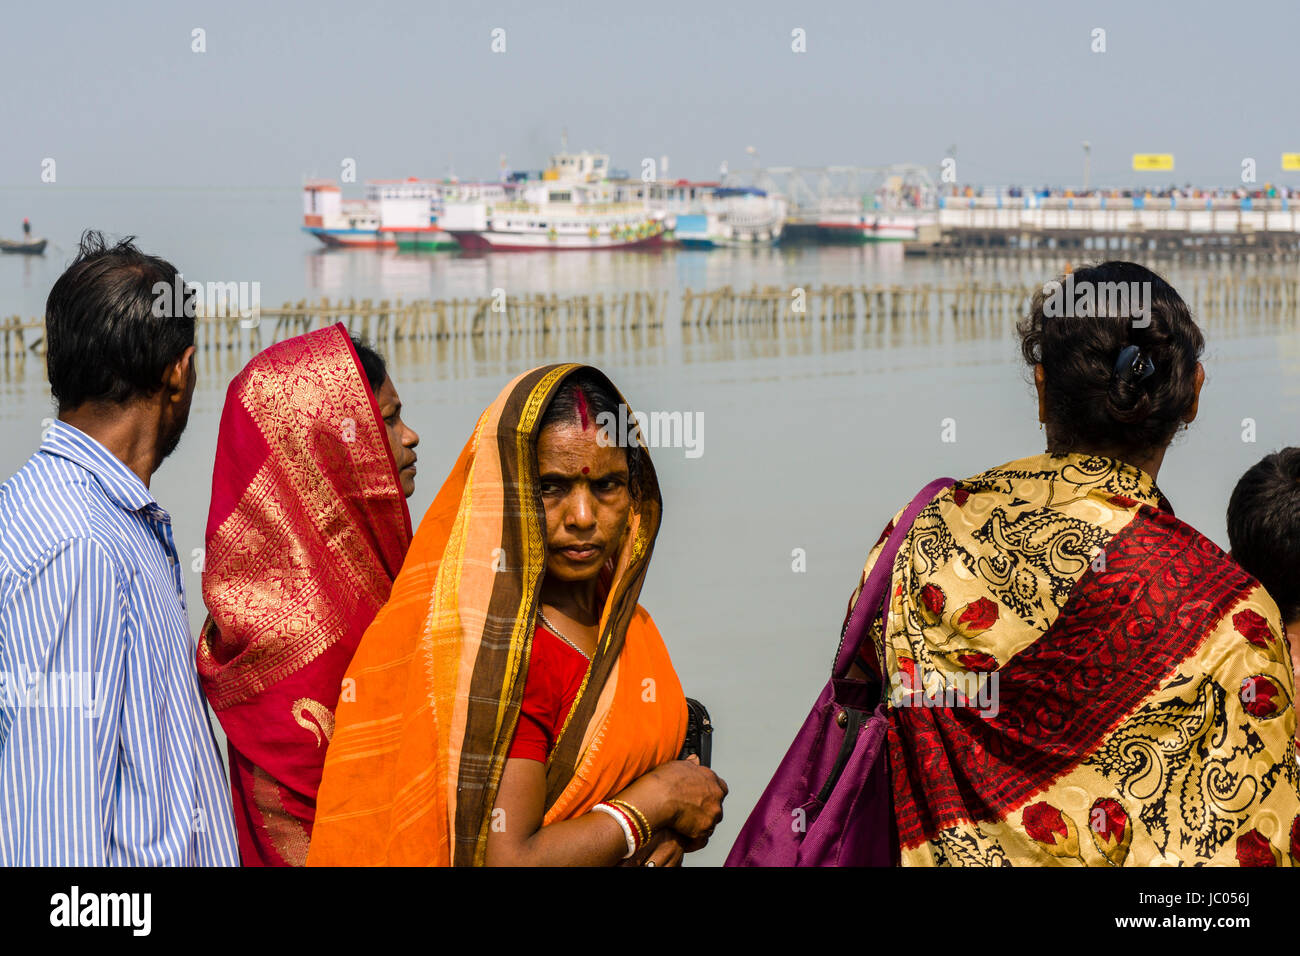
307 530
513 703
1077 676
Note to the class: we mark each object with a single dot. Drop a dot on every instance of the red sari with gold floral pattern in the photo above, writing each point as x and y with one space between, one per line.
1078 677
307 529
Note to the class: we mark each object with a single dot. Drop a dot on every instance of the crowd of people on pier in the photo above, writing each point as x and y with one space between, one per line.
484 687
1186 191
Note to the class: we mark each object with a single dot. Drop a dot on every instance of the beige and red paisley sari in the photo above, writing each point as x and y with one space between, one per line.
1078 677
307 529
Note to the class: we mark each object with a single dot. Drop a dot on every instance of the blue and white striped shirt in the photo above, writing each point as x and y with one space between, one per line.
107 755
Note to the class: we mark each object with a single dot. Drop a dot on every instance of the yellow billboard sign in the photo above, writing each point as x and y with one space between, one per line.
1147 162
1291 160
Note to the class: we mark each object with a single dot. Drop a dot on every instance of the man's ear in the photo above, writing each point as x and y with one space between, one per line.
179 378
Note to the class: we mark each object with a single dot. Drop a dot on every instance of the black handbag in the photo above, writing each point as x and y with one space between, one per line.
699 732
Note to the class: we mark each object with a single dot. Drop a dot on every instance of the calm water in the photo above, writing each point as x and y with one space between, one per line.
812 437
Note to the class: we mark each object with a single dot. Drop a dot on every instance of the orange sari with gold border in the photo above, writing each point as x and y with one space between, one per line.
416 760
307 530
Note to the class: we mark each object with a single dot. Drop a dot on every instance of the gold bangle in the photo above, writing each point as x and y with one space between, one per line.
643 824
634 815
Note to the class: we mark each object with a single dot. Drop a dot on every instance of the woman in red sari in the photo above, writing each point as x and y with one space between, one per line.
308 528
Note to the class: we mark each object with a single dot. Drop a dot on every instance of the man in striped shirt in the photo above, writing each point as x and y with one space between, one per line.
107 755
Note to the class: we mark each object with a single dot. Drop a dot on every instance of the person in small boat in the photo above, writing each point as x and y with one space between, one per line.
1115 689
1264 534
514 704
27 228
307 529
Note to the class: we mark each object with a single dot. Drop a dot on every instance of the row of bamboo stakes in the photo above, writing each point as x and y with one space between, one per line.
1277 295
385 321
421 319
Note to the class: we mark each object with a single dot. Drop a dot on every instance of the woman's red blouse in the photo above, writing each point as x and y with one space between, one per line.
555 673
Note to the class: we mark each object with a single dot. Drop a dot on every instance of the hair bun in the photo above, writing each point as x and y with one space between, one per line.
1100 383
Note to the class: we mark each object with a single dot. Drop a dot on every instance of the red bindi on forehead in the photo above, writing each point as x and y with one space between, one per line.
586 470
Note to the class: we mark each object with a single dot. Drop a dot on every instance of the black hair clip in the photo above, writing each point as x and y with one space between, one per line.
1132 366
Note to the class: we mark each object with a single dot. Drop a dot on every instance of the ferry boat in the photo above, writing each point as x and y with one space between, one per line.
335 221
667 196
572 206
408 213
894 212
708 214
394 213
869 225
733 216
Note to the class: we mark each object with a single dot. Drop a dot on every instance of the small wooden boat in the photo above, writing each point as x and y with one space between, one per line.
29 247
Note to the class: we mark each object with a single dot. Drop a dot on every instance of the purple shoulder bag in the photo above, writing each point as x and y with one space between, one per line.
830 802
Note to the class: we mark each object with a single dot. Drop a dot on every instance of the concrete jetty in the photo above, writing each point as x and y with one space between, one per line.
1207 226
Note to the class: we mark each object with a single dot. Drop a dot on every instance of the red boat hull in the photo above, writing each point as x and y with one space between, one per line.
471 241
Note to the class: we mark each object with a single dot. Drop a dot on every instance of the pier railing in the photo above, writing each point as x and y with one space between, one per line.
1124 216
1220 203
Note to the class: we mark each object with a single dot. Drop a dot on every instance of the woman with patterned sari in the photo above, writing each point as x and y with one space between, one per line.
307 530
1075 675
514 705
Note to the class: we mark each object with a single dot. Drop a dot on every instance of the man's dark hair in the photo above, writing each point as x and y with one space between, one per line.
372 363
109 337
1264 527
1090 403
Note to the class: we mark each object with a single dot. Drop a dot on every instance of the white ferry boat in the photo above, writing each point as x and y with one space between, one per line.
733 216
867 225
895 211
335 221
572 206
708 214
408 212
669 197
402 213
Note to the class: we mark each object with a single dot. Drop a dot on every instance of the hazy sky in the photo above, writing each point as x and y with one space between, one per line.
115 95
